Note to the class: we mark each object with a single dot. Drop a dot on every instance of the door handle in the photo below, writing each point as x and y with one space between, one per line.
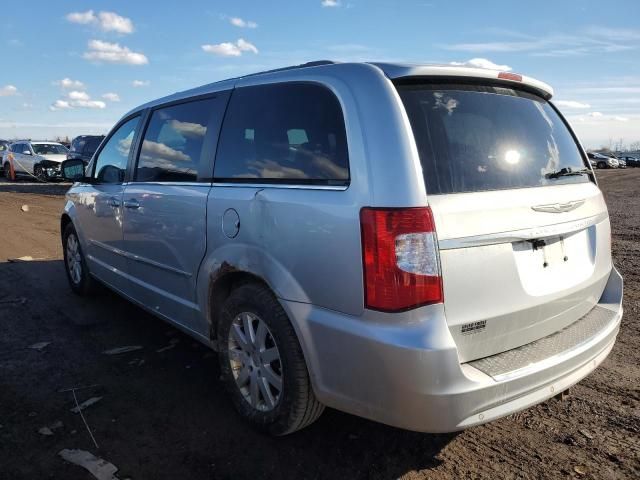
114 202
133 203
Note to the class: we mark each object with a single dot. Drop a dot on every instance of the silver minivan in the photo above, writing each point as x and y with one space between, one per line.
424 246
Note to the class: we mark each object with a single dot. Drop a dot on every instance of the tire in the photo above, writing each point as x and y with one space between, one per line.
75 265
278 412
602 165
39 173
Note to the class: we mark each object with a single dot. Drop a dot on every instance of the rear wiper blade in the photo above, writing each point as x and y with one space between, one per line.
568 171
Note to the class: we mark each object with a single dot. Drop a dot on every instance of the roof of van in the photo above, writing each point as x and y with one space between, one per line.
393 71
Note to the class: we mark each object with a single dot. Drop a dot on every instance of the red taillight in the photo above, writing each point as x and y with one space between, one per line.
400 258
510 76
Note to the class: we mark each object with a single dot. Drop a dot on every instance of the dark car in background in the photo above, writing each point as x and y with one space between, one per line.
84 146
630 160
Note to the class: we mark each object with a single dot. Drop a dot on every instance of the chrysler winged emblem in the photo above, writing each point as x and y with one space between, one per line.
558 207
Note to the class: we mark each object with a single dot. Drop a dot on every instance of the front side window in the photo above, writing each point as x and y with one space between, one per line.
111 163
172 148
283 133
476 138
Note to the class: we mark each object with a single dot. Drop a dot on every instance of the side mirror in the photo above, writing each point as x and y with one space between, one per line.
73 170
27 152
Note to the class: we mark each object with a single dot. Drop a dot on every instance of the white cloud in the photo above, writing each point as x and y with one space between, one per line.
111 21
69 83
571 104
60 105
621 119
100 51
106 21
76 99
246 46
89 104
483 63
228 49
8 91
83 18
330 3
140 83
584 42
239 22
111 97
594 114
78 95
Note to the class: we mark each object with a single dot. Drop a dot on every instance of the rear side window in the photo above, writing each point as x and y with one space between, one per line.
476 138
172 149
290 133
92 145
78 144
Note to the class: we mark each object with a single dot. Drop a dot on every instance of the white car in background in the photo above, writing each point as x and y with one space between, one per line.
603 161
40 159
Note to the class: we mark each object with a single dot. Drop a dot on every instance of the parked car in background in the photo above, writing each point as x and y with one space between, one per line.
4 147
84 146
603 161
40 159
630 160
388 240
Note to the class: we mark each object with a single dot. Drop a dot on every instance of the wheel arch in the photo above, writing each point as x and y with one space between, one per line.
226 281
65 219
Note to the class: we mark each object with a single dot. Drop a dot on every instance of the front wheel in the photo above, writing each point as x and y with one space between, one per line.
40 173
602 165
262 363
78 275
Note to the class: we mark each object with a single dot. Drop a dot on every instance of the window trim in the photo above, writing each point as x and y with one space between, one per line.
209 146
134 144
286 183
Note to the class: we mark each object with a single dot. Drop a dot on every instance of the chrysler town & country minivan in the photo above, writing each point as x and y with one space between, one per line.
424 246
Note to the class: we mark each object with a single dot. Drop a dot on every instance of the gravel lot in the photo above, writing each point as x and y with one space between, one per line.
164 415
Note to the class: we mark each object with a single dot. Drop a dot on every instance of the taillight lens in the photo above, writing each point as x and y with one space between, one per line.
400 258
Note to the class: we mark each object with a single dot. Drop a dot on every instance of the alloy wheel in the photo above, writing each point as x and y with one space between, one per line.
255 361
74 260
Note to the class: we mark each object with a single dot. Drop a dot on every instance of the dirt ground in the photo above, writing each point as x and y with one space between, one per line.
164 414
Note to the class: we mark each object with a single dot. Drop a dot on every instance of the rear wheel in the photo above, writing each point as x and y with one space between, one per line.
262 363
75 264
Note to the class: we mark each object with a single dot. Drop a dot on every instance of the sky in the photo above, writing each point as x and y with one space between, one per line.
75 67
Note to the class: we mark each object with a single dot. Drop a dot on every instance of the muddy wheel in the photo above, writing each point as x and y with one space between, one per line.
262 363
75 264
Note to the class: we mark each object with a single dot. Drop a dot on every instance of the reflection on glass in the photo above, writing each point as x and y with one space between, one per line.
173 143
512 157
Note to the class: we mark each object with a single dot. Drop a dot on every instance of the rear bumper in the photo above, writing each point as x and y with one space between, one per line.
406 372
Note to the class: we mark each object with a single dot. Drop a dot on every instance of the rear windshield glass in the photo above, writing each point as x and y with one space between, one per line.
476 138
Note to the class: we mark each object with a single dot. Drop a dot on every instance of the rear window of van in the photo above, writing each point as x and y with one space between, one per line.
475 138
